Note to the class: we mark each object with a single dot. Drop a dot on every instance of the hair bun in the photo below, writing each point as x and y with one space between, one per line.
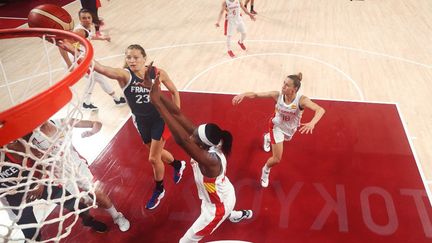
300 76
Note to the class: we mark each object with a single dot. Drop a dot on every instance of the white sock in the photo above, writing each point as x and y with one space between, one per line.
243 37
229 43
112 211
266 169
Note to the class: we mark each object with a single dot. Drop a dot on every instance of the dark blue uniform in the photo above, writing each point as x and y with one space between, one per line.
146 118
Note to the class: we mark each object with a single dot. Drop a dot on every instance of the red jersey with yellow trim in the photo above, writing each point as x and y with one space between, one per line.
214 190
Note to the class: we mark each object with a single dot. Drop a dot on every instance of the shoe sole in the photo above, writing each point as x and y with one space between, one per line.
182 168
159 200
265 185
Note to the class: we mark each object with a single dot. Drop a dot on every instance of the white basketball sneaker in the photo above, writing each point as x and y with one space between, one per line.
265 177
246 214
266 144
122 222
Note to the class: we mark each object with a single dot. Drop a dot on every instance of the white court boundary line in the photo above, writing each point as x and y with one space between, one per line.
353 82
420 168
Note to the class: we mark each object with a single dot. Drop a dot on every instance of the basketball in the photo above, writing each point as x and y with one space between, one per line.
50 16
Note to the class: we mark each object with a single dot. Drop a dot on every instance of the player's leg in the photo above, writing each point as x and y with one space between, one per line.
178 165
155 159
241 27
252 7
206 223
102 199
230 29
106 86
167 157
277 138
105 202
55 192
87 94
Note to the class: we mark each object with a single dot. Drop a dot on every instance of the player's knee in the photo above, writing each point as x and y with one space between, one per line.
153 160
277 159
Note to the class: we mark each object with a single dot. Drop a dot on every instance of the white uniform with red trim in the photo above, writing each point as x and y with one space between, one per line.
233 19
286 120
217 200
79 169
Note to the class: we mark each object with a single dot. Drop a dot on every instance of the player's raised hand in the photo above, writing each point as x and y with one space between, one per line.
155 90
66 45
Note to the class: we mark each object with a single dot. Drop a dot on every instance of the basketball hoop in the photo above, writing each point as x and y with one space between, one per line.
22 118
32 101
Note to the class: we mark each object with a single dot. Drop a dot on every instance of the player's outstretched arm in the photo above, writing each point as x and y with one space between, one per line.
251 95
319 112
121 75
181 136
169 84
221 12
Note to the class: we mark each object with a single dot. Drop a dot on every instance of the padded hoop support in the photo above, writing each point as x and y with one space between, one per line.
20 119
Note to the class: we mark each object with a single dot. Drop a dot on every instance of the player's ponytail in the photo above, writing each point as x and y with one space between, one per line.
211 135
226 142
296 78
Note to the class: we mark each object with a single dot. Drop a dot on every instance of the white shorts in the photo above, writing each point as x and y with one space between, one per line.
210 219
234 25
82 174
277 135
86 178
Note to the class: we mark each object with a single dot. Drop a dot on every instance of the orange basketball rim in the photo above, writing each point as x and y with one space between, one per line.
22 118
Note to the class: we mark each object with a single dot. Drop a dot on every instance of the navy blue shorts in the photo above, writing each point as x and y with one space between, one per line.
150 128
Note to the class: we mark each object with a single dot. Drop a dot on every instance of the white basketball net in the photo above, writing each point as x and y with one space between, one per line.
52 165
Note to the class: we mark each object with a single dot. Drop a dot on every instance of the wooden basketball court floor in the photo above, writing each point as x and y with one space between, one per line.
355 179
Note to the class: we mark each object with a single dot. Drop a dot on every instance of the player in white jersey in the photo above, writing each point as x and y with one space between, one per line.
84 29
282 126
208 145
233 22
42 139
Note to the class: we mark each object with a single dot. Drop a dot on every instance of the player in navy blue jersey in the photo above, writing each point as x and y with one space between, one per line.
136 80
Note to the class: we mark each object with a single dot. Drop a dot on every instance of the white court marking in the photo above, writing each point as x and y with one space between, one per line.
354 83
